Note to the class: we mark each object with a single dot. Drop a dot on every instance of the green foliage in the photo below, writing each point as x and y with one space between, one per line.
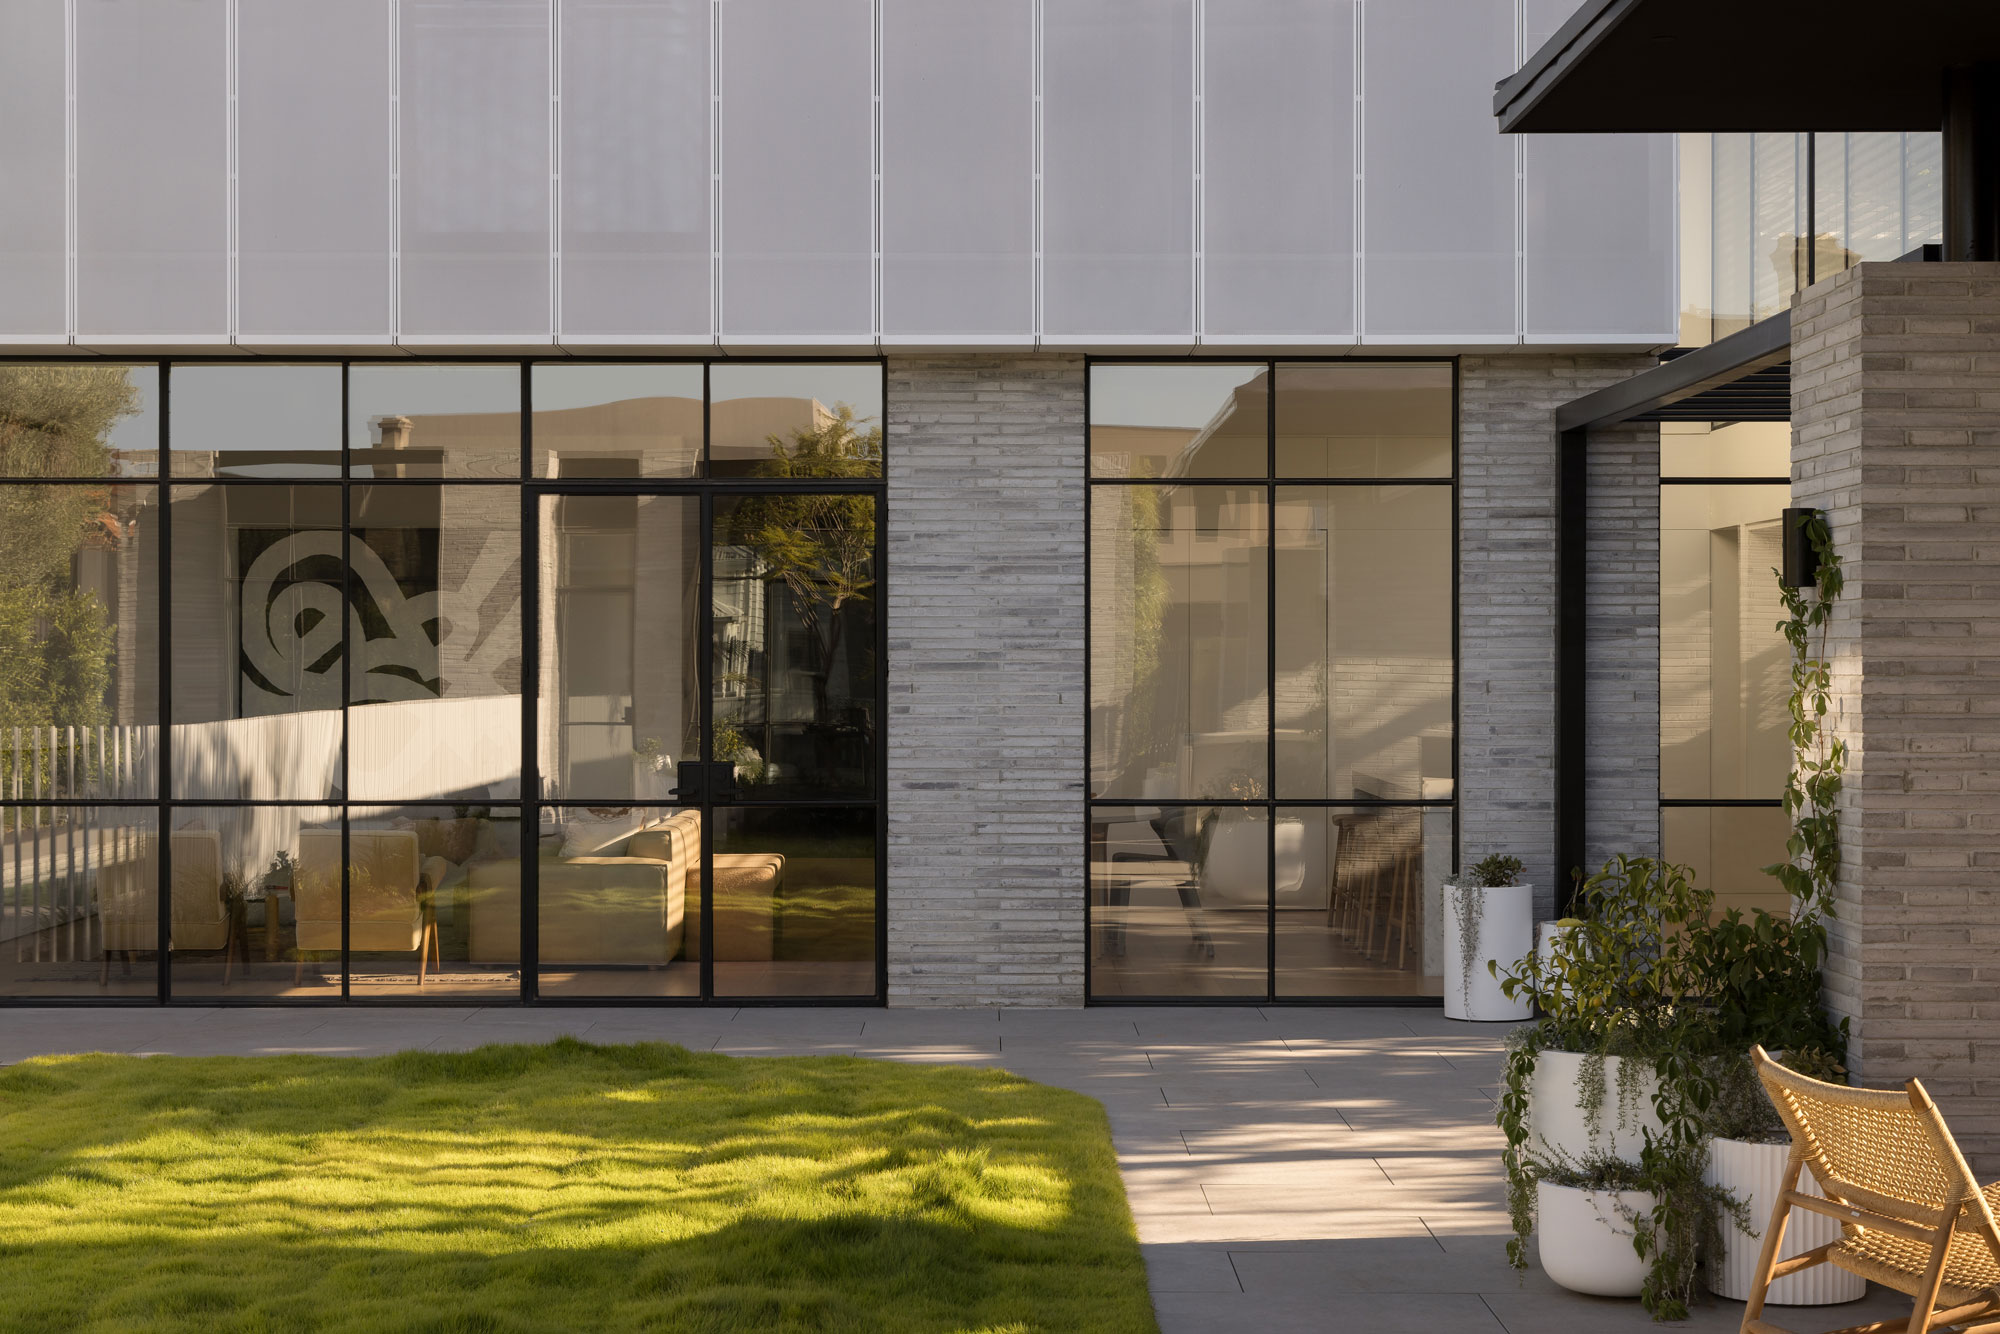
820 545
1497 871
558 1187
1812 790
1651 974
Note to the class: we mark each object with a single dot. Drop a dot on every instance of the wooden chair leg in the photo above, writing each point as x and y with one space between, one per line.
1774 1235
1927 1289
424 952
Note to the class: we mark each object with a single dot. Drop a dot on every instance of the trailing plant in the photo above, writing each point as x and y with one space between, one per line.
1496 871
1625 981
1819 758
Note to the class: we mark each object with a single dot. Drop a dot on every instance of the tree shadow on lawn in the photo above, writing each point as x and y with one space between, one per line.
553 1187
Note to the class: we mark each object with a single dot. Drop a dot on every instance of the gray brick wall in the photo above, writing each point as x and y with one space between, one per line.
986 680
1896 419
1507 615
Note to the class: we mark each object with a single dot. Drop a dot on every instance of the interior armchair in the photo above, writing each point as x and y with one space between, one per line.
389 908
128 903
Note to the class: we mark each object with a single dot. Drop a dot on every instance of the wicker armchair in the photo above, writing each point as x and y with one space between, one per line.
1912 1217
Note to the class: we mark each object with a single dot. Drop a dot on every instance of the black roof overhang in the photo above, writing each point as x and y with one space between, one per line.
1744 377
1646 66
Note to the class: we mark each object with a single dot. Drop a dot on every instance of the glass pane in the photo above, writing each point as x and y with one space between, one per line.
257 642
1179 900
794 902
436 623
767 419
617 421
255 421
235 906
1360 900
1364 420
1734 449
1725 671
79 641
1179 421
1364 666
795 653
1728 847
618 894
79 421
1179 654
79 888
621 704
434 421
429 912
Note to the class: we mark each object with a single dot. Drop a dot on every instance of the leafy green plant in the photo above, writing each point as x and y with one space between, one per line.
1496 871
1819 758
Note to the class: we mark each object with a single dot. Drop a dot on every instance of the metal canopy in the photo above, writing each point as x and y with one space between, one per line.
1746 377
1730 65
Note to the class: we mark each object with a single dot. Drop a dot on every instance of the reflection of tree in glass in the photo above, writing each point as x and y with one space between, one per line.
55 641
821 547
1149 735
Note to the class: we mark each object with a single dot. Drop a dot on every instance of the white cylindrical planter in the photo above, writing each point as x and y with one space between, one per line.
1503 922
1584 1240
1560 1129
1753 1173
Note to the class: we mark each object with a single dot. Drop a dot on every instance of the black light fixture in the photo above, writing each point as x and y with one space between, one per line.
1801 560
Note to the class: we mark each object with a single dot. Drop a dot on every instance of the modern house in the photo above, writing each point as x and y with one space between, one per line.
924 502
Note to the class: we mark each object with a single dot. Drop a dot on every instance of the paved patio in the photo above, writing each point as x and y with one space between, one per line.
1290 1169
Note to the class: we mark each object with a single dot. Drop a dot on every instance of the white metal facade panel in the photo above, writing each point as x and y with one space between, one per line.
635 236
1118 174
152 162
958 201
1438 179
798 158
475 164
1598 237
34 205
1278 120
1118 168
315 226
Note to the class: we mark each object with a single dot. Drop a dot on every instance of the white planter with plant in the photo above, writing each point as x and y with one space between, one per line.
1489 916
1751 1173
1583 1105
1584 1233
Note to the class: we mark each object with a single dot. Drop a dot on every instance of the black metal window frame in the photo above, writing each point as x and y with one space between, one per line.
1668 803
1270 482
531 803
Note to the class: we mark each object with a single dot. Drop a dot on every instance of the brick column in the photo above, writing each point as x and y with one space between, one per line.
1896 434
1507 615
986 680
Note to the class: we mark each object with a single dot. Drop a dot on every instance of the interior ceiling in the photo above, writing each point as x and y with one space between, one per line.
1741 65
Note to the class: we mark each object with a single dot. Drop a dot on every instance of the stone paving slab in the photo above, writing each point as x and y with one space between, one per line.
1288 1168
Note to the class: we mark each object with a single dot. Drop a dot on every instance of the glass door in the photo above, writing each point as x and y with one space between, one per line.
708 722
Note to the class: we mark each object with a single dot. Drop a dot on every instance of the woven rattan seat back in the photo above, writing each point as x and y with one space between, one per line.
1875 1147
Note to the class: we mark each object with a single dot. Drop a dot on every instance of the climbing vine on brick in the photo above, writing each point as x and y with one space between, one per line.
1819 758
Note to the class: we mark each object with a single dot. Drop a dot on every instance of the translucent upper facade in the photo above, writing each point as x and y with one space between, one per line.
1307 173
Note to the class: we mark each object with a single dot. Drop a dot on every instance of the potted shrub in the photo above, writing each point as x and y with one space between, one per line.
1489 915
1588 1217
1614 1072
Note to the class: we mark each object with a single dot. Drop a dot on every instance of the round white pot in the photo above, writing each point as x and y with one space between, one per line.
1584 1242
1560 1129
1503 923
1752 1173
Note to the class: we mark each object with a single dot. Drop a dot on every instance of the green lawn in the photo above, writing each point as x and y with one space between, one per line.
557 1187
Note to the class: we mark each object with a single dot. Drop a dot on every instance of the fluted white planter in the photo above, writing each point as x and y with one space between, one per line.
1503 922
1753 1173
1559 1128
1584 1241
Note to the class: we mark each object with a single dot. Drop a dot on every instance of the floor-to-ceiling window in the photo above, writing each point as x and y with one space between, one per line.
1724 667
1272 678
480 680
